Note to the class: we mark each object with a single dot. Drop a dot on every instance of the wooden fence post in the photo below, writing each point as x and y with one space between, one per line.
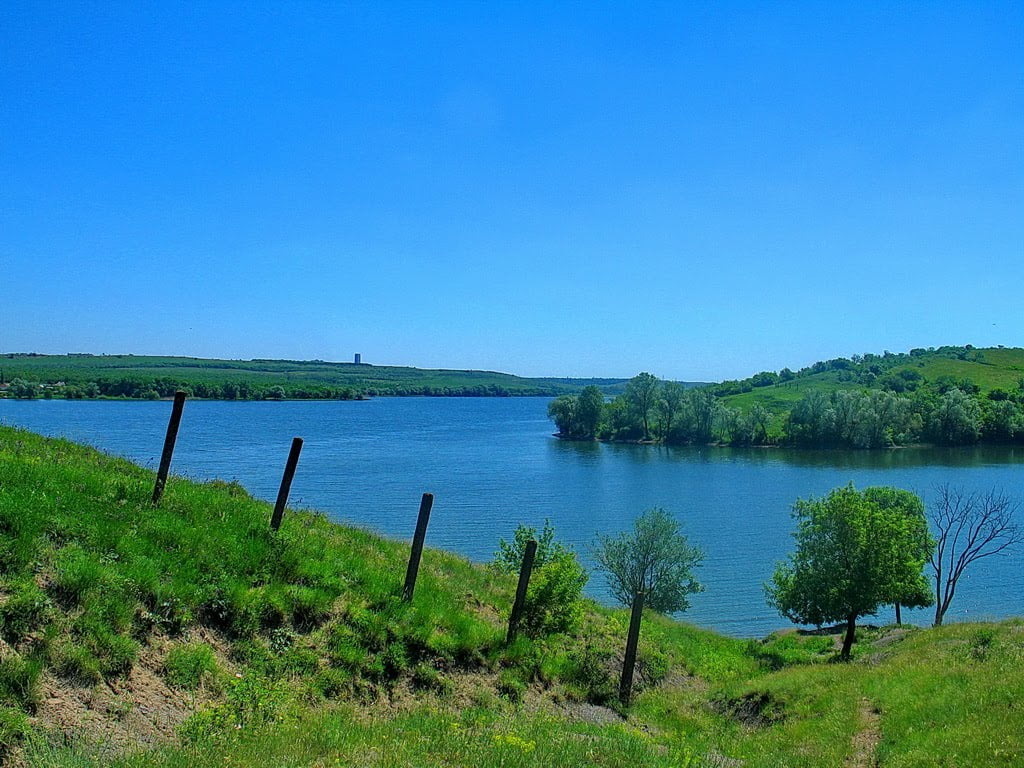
632 639
286 483
524 581
417 546
169 440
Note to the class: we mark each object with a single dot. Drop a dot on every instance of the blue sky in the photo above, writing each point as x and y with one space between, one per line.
701 190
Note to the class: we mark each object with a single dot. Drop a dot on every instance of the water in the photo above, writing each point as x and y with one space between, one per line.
492 463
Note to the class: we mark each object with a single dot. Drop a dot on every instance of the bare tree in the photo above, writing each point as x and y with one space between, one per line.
969 526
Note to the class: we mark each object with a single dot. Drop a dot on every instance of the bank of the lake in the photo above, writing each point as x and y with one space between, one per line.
492 463
190 634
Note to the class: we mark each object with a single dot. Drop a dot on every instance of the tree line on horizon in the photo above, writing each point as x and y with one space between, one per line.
944 412
163 387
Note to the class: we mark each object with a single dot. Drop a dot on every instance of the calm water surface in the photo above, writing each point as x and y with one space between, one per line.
492 463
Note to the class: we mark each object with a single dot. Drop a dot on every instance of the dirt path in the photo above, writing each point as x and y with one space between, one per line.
865 741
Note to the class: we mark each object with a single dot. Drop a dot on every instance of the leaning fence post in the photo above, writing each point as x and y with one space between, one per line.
417 546
172 436
632 639
524 582
286 483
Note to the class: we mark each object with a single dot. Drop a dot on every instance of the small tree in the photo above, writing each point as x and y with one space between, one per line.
554 597
915 593
970 526
853 554
655 558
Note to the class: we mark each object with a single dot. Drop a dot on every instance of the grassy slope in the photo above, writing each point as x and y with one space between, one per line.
999 369
299 640
76 369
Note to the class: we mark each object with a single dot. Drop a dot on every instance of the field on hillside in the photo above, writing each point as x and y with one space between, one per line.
987 369
189 634
127 375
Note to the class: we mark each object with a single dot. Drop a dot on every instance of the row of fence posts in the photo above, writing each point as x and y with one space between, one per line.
419 536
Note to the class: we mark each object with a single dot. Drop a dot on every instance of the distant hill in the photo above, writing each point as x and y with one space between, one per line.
990 373
84 375
988 368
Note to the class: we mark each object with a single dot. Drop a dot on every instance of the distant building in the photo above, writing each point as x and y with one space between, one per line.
359 358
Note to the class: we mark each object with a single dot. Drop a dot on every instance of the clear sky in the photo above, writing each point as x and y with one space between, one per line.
700 190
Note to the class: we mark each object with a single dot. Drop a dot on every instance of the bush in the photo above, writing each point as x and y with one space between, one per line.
554 597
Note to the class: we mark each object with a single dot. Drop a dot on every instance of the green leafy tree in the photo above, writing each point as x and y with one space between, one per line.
855 552
642 395
25 390
654 558
669 407
589 405
562 411
916 592
956 419
703 410
554 597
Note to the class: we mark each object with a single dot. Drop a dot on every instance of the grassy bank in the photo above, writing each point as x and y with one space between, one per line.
190 635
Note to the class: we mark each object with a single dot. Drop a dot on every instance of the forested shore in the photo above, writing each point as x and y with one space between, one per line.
867 401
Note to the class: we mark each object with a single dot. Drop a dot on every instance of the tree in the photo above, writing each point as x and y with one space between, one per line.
655 558
956 419
970 526
642 393
562 411
22 389
915 593
853 554
703 409
669 406
589 405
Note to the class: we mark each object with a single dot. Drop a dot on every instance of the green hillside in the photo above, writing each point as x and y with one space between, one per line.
191 635
988 375
143 376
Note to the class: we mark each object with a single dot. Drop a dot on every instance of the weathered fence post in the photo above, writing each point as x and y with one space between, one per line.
524 582
286 483
417 546
632 639
172 436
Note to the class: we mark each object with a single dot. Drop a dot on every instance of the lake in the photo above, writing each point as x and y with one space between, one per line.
492 464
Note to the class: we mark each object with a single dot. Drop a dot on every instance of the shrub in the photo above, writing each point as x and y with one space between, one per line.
553 599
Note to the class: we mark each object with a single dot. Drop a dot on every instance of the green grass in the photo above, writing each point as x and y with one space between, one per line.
293 649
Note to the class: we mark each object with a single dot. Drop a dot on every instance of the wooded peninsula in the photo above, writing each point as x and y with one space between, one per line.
943 396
